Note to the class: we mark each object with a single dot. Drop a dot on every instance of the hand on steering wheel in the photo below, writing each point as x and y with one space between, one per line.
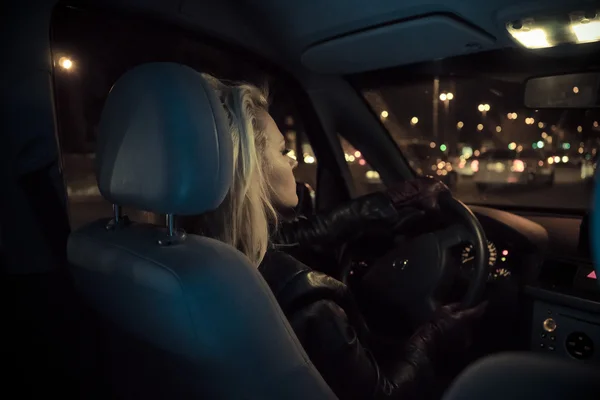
416 274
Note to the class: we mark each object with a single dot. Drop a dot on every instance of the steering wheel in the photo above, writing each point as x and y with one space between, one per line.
416 274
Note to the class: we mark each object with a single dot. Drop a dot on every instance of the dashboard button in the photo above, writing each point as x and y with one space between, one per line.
543 336
549 325
551 348
553 338
579 345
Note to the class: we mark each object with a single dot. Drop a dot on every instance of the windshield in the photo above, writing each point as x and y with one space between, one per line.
423 151
472 115
499 154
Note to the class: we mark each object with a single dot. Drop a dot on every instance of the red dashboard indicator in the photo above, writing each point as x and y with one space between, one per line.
592 275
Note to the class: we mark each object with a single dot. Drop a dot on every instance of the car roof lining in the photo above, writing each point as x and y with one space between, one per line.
279 30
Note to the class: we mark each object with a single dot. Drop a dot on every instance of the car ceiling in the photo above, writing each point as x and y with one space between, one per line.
288 31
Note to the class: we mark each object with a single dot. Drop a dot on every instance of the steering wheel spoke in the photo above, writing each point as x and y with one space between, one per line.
453 235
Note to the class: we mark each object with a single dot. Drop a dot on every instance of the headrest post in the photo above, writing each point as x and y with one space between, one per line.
119 220
170 225
117 213
174 236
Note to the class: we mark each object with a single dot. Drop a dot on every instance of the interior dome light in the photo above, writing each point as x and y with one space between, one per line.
586 28
544 32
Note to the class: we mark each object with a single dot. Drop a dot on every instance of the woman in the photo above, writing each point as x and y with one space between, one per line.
320 309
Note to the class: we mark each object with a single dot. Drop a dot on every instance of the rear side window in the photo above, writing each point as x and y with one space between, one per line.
92 50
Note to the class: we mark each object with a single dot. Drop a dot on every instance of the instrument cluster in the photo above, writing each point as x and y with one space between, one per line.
498 261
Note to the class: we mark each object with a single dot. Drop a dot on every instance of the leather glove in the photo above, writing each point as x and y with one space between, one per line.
376 213
449 331
357 217
430 349
421 193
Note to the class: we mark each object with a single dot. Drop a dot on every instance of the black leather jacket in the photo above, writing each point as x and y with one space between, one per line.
332 331
328 323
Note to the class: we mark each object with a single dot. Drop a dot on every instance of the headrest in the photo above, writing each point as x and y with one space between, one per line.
164 144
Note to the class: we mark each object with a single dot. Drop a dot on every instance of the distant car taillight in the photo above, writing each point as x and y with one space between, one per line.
475 165
518 166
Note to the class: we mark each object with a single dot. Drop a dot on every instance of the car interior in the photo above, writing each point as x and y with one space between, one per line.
104 296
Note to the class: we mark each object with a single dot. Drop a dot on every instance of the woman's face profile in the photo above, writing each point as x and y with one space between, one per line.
279 174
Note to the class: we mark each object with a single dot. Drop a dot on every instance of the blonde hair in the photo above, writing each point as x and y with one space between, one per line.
244 217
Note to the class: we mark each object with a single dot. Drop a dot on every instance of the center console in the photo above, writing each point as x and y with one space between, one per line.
566 311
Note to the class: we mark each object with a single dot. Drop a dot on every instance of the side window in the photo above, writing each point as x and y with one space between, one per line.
289 121
93 49
366 179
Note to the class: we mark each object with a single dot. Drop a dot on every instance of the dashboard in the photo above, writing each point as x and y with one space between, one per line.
542 292
554 292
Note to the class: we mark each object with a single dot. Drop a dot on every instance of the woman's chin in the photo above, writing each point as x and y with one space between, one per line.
294 202
289 202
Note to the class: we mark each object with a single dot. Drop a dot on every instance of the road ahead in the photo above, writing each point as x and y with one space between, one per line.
568 191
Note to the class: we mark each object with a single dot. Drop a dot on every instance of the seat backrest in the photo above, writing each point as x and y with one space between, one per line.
188 316
526 376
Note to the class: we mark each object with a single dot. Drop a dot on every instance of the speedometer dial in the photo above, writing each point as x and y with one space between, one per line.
468 255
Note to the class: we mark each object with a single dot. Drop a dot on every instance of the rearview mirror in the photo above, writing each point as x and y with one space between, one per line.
580 90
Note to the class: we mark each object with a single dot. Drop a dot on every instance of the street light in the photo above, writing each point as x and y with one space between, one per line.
481 107
445 97
65 63
486 107
480 127
460 125
414 120
384 114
